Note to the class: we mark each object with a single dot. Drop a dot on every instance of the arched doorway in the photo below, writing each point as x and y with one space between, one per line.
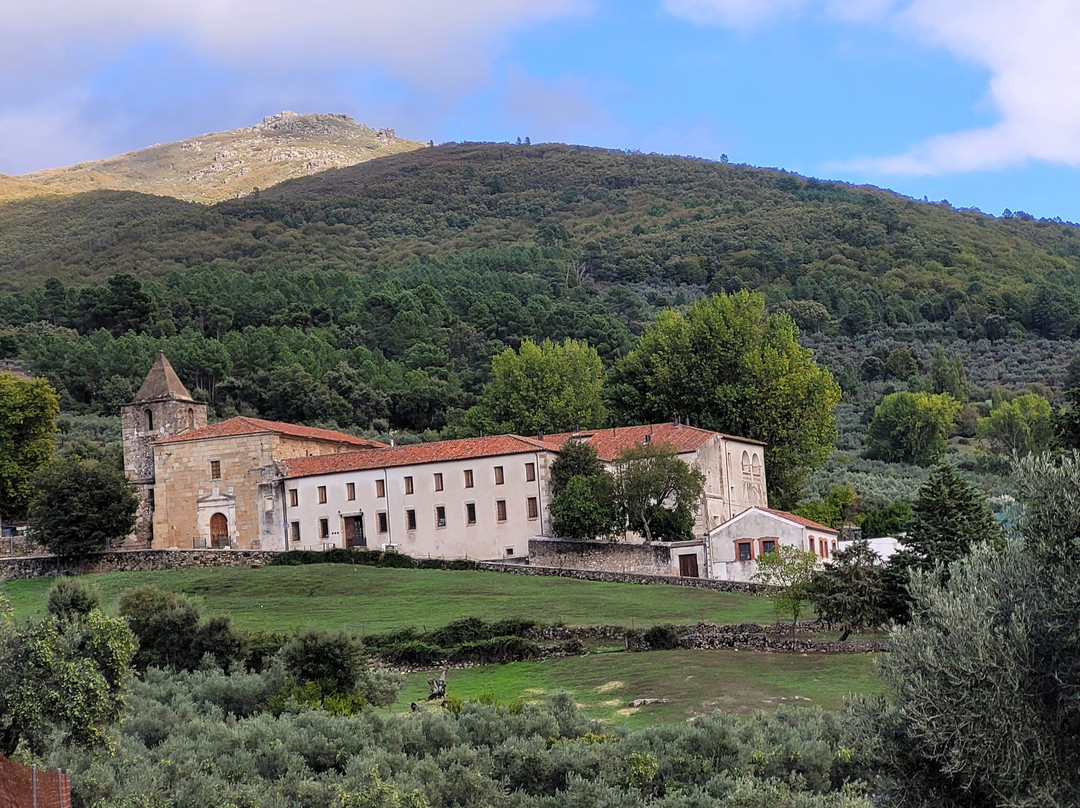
219 530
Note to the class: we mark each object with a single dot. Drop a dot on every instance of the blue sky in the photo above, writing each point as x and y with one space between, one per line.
974 101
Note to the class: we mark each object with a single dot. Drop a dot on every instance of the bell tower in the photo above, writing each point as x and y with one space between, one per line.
162 408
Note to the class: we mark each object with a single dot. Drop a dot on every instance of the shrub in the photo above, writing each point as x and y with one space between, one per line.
413 652
323 656
70 599
662 638
497 649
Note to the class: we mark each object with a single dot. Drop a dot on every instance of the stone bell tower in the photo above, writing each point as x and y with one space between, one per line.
162 408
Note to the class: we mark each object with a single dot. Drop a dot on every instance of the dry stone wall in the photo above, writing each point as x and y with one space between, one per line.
625 577
130 561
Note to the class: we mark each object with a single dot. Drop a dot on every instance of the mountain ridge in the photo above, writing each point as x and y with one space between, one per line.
215 166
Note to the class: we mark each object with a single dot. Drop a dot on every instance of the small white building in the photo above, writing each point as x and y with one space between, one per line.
885 546
735 545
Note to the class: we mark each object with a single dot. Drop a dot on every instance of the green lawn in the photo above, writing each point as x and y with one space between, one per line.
370 600
694 682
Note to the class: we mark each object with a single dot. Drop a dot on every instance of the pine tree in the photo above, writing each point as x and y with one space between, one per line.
950 517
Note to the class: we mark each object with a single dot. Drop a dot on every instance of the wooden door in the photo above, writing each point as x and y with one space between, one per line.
688 565
219 530
353 527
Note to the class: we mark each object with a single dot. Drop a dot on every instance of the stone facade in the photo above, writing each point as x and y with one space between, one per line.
208 490
655 558
161 409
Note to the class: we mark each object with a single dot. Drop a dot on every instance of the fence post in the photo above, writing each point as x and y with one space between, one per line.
33 779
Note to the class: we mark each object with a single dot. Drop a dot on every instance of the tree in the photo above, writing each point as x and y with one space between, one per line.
656 492
550 387
911 427
848 592
949 518
585 508
172 634
576 459
1017 428
834 510
730 367
61 675
28 410
787 571
887 521
81 507
331 659
947 376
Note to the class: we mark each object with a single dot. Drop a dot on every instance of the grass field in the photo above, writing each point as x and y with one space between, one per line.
369 600
694 682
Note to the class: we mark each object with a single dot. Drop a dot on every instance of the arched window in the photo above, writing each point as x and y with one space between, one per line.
191 417
756 465
219 530
745 462
149 420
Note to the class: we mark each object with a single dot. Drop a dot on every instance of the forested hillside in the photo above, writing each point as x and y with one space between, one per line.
374 297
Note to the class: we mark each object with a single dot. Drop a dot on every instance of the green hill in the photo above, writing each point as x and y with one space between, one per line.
374 296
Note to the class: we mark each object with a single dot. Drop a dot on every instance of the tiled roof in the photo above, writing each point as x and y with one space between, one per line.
610 443
800 520
256 426
415 454
161 383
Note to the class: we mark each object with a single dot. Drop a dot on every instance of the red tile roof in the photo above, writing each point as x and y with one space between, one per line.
415 454
800 520
610 443
256 426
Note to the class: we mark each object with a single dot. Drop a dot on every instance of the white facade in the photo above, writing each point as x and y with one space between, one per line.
479 508
735 545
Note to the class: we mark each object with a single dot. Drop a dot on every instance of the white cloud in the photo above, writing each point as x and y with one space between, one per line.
62 61
741 14
1029 49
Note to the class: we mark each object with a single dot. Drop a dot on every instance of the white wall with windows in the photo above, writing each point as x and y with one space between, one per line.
478 508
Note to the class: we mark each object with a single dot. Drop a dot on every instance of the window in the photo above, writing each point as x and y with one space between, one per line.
438 482
408 485
295 531
744 551
322 494
532 507
410 519
268 504
215 469
324 528
812 550
500 510
746 463
468 478
530 472
294 498
350 490
382 524
440 516
510 552
756 465
149 420
191 418
498 475
380 488
768 546
470 513
150 499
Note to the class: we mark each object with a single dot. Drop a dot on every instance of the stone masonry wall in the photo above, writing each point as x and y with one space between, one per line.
624 577
131 561
605 556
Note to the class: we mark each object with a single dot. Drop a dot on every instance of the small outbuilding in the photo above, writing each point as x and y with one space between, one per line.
735 544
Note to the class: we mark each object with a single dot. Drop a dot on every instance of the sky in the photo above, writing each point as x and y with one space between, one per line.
972 101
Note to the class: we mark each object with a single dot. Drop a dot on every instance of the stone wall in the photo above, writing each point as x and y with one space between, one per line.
130 561
656 558
624 577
